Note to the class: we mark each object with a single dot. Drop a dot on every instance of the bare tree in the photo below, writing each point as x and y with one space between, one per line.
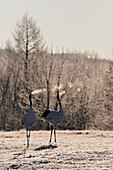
108 96
28 40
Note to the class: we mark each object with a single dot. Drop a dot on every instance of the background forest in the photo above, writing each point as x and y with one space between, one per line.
25 66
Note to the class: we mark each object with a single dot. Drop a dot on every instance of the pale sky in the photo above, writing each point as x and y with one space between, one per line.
74 24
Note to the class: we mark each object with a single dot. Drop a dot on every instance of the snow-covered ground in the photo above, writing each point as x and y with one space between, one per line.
73 150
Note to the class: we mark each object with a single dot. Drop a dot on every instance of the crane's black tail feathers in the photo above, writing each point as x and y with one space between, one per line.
22 122
45 113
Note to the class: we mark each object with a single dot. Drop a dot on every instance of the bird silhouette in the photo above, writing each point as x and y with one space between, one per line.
28 120
54 117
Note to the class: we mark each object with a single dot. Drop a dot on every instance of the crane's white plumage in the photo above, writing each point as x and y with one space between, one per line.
54 117
28 120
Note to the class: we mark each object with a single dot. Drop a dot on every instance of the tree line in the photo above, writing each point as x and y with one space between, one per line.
86 82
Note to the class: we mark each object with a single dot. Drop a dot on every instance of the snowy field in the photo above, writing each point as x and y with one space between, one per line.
73 150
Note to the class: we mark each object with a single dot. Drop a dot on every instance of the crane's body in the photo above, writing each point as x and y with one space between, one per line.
28 120
54 117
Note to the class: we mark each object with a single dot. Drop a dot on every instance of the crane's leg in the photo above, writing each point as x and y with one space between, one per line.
29 133
54 135
51 134
27 138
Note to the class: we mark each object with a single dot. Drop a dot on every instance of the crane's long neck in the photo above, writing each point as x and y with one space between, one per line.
60 103
30 100
61 109
58 99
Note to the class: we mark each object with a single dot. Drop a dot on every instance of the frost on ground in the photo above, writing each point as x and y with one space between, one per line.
73 150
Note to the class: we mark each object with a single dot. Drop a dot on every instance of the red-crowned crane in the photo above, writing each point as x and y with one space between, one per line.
28 120
54 117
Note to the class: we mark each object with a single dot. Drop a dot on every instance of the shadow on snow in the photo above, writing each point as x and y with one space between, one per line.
46 147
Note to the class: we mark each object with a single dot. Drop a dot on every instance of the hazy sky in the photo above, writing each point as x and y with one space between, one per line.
74 24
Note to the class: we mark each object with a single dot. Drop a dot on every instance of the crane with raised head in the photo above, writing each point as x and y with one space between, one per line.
54 117
28 120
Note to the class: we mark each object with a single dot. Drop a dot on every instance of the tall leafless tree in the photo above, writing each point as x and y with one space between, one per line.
28 40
